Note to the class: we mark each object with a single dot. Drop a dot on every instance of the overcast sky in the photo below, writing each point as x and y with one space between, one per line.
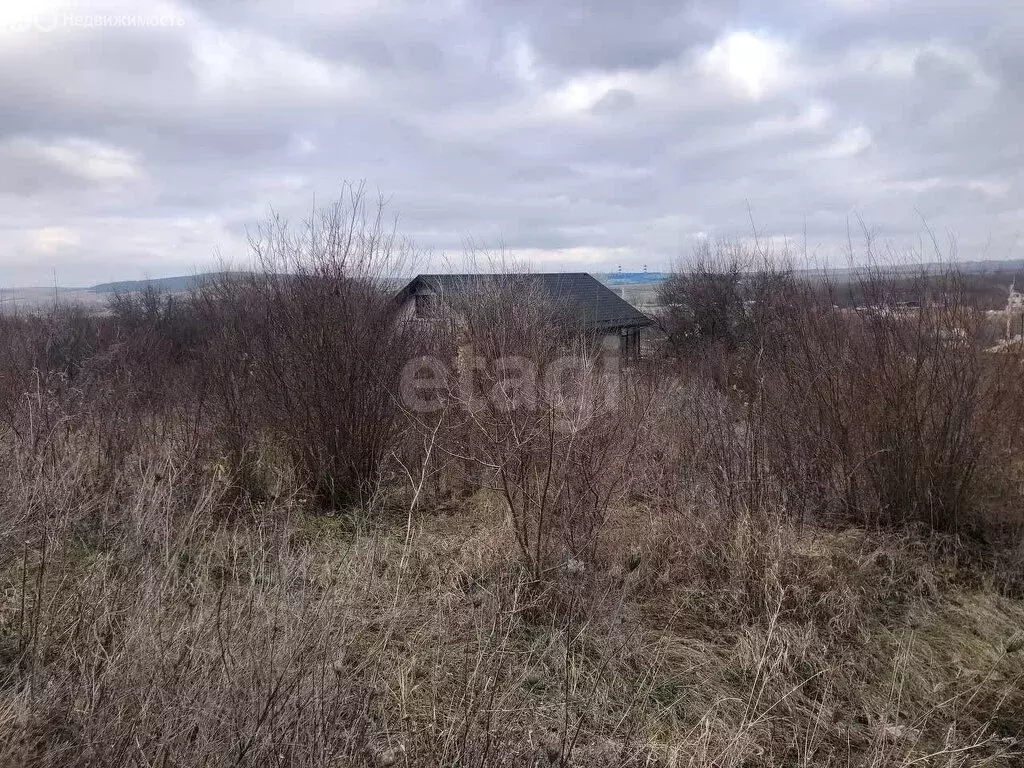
141 139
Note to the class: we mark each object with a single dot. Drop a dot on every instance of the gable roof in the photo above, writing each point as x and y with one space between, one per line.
597 305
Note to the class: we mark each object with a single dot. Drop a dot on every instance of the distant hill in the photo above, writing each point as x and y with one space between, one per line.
988 267
636 280
162 284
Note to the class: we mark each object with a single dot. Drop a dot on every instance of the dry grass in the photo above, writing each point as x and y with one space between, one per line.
142 626
161 607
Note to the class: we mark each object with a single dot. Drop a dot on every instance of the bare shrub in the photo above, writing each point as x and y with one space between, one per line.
889 413
542 417
721 302
160 327
873 395
307 349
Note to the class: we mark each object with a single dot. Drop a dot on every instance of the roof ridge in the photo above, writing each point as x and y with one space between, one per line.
599 304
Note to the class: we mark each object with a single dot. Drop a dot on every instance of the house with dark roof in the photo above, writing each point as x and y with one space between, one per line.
584 302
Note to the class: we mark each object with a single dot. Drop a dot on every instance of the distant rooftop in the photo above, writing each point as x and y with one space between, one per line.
598 306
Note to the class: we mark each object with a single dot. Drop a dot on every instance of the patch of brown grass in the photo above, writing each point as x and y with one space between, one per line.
276 638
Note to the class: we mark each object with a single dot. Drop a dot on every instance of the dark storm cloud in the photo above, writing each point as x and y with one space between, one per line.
576 133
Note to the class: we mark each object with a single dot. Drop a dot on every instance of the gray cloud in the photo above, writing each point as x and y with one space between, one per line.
579 133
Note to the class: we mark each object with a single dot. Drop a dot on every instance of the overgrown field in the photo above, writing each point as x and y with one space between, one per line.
228 536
